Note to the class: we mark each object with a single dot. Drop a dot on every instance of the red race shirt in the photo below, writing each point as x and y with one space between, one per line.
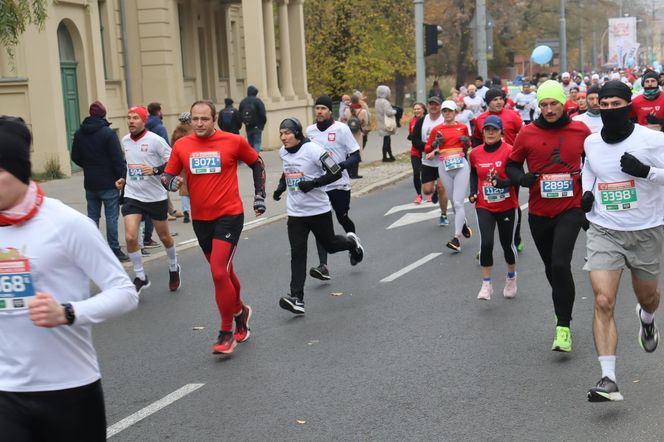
210 166
413 151
512 124
641 108
547 152
451 134
489 165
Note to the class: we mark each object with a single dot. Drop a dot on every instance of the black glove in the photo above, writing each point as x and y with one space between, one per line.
277 194
465 141
527 179
438 141
520 106
632 166
652 119
585 225
306 186
501 183
587 200
259 204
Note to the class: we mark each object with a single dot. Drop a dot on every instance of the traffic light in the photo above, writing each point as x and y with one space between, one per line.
431 42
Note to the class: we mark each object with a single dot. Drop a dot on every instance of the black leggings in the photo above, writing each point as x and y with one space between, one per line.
387 147
487 222
340 201
298 233
555 239
416 163
54 416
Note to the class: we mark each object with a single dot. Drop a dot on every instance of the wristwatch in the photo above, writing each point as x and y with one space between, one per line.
155 171
70 316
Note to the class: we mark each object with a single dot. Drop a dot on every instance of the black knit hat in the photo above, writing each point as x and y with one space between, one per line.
294 126
324 100
650 74
616 88
594 89
492 93
15 140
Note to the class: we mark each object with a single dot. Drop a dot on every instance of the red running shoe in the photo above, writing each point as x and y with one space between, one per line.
225 343
418 199
430 198
242 330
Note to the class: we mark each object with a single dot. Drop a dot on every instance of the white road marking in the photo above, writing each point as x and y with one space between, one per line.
409 206
410 267
151 409
412 218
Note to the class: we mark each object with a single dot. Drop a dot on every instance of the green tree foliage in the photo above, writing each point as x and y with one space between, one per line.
357 45
15 16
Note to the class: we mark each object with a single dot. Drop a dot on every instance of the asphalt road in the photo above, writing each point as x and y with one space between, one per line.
417 358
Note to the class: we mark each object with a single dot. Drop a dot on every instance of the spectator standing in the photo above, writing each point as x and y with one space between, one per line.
252 114
385 111
229 118
183 129
343 105
96 149
356 115
435 91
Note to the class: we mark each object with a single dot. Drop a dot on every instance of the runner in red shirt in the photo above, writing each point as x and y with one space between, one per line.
553 146
648 109
512 122
496 203
209 159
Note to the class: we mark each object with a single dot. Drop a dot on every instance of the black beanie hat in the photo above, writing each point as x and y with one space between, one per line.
594 89
324 100
228 101
616 88
15 140
650 74
493 93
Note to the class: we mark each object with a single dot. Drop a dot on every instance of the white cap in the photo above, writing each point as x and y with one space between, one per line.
565 75
449 104
595 76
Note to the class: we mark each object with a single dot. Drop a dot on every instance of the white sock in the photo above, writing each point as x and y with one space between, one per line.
137 261
172 258
646 317
608 364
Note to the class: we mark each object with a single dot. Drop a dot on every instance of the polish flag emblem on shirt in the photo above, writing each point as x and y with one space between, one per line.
332 136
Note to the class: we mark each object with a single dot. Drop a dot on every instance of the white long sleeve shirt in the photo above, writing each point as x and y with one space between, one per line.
624 202
65 251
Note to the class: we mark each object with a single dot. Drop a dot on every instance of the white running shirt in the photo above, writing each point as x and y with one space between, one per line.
304 165
631 203
427 125
65 251
339 143
594 122
474 104
150 149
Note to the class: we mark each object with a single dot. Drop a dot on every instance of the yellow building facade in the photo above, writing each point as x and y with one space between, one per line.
128 52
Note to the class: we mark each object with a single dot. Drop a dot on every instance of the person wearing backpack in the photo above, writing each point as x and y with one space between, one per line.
252 114
357 119
229 118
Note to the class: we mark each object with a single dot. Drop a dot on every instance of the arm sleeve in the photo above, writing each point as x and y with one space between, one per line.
258 168
91 253
327 178
281 187
473 180
514 170
352 160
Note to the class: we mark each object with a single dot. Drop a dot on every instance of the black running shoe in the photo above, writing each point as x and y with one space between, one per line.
140 284
357 253
144 252
151 244
122 257
292 304
174 279
648 333
465 231
186 217
454 244
606 390
320 272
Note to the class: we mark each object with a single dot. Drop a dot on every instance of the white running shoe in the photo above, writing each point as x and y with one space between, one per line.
510 288
486 291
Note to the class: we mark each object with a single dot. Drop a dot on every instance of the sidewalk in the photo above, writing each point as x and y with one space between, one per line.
375 175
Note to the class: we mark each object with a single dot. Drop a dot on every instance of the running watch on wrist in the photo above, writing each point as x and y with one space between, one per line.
155 171
70 316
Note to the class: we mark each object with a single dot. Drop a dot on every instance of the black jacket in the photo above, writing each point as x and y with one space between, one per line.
96 148
252 100
234 125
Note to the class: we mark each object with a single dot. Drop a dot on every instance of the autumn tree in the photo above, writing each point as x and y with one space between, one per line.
357 45
15 16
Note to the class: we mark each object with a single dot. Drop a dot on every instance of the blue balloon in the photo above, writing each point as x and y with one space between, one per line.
542 54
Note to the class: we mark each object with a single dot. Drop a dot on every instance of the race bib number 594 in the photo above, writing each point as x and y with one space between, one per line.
15 284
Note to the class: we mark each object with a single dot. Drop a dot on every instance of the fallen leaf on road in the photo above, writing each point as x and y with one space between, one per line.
337 293
584 297
300 421
198 327
636 381
315 341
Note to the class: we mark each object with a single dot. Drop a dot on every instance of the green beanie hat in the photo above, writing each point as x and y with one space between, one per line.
551 89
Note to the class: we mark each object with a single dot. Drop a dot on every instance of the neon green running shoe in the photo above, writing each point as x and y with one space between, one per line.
563 341
520 247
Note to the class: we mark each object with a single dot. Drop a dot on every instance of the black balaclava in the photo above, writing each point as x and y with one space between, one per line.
617 125
650 93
